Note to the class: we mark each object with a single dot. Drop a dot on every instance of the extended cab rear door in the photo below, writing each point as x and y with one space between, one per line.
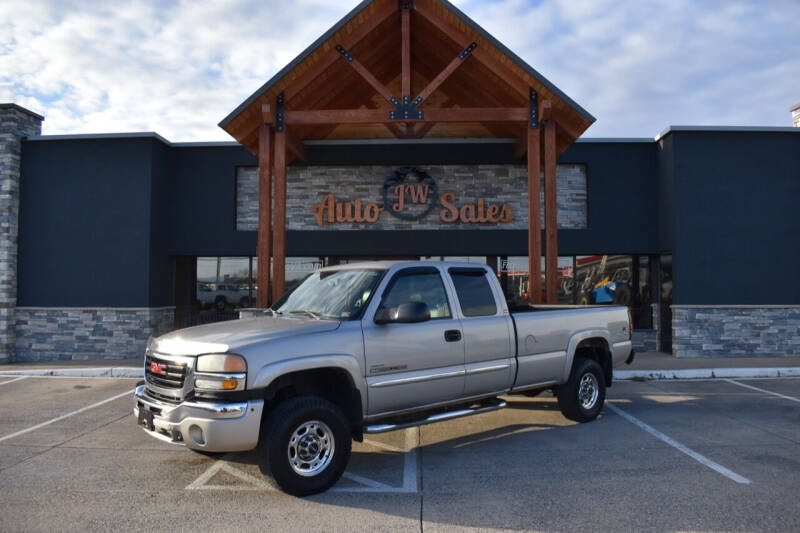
413 365
488 331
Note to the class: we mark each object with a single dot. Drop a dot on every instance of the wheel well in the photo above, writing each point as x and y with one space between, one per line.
333 384
596 348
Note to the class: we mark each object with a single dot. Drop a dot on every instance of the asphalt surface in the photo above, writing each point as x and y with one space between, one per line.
664 456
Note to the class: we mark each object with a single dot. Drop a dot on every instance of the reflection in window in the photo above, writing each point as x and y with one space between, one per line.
514 277
604 279
223 283
419 287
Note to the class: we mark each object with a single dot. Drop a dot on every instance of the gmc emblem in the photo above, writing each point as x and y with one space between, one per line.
157 368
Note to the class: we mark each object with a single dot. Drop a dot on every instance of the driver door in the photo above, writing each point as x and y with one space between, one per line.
413 365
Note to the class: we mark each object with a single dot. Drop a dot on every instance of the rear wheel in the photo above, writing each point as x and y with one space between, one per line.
582 397
306 444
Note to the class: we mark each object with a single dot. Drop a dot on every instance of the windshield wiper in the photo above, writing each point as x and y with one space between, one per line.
313 315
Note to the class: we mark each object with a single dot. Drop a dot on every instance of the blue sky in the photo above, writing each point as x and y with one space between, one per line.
179 67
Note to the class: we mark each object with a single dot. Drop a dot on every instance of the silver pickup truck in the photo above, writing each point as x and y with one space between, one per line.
370 348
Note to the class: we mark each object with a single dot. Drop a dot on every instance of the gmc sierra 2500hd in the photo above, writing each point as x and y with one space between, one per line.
369 348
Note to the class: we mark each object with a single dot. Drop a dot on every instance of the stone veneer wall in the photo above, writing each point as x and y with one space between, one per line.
497 184
65 333
15 124
735 331
645 340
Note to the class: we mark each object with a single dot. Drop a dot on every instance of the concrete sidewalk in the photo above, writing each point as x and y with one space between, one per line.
647 366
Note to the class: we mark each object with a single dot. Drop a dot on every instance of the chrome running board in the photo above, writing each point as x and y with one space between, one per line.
479 408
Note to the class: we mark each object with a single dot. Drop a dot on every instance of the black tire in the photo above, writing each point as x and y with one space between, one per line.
244 302
622 296
569 394
220 303
279 428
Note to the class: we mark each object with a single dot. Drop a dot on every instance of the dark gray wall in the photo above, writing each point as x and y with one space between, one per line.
202 201
102 219
666 194
622 199
85 223
736 217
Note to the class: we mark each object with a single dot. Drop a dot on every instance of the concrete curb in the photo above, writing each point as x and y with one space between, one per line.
706 373
105 372
622 375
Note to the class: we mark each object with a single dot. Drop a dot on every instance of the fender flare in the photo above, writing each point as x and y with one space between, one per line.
346 362
575 340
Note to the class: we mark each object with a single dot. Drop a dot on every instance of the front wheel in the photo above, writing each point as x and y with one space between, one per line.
582 397
306 444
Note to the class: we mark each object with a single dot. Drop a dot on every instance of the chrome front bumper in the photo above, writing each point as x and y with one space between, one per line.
208 426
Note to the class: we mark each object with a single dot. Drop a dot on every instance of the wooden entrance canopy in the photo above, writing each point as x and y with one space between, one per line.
405 69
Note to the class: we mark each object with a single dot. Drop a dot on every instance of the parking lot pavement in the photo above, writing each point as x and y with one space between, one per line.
646 464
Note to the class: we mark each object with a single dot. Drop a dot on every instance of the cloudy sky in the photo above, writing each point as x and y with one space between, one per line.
179 67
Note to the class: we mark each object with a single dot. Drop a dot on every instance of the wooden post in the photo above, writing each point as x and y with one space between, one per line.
405 30
534 216
279 227
550 212
264 213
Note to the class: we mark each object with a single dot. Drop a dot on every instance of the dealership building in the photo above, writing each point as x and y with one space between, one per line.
108 239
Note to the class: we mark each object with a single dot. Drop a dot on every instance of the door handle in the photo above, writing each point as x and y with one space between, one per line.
452 335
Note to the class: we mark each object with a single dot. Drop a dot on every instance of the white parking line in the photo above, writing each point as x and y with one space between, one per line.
13 380
410 474
745 385
62 417
680 447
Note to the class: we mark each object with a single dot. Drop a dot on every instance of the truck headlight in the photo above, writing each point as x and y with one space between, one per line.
221 363
220 372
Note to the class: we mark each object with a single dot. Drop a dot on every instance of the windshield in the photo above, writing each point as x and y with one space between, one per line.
339 294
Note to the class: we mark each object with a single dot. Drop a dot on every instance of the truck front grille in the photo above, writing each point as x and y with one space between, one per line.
172 377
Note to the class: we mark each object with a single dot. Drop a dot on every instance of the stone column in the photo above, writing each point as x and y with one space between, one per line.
15 124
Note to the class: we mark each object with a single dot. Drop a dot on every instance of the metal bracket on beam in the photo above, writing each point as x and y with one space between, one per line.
406 4
406 110
534 106
280 113
342 50
467 51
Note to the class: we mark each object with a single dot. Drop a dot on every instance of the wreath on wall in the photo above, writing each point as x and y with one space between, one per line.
403 175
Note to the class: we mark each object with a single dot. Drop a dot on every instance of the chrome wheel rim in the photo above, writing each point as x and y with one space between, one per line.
310 448
588 391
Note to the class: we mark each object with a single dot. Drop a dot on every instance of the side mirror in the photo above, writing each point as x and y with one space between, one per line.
409 313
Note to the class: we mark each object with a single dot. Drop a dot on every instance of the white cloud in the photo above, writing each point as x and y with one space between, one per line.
179 67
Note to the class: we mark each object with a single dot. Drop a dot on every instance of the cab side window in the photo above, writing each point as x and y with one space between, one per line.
474 293
425 286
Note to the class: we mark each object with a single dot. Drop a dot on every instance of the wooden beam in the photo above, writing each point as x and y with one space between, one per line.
533 142
296 147
379 116
266 114
481 54
443 75
264 214
457 92
405 31
367 75
279 227
348 41
423 130
393 128
550 213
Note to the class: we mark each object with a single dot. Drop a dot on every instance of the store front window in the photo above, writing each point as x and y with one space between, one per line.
226 284
515 279
587 280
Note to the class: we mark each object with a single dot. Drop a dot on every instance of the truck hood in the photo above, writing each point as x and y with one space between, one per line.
224 336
